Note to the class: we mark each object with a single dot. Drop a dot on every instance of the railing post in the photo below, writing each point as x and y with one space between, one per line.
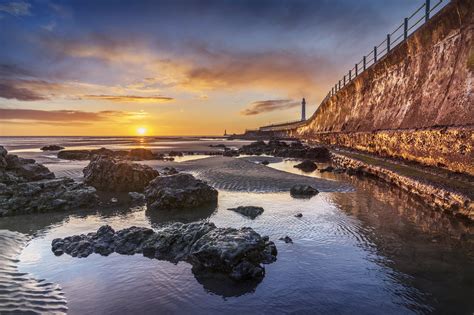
339 84
427 10
357 69
375 54
388 43
344 80
350 75
365 62
405 29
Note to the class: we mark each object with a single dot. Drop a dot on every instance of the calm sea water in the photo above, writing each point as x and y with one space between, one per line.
375 250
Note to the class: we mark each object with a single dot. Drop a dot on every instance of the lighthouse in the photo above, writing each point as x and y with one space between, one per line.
303 109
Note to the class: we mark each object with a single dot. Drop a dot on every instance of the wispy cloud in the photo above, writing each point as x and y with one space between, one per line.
259 107
21 94
131 98
20 116
16 8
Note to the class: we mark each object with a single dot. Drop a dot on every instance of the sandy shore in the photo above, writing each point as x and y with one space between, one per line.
226 173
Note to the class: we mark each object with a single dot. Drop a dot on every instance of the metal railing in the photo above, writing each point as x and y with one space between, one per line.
393 39
409 25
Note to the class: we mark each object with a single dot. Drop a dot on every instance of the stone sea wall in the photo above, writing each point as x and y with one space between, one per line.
415 103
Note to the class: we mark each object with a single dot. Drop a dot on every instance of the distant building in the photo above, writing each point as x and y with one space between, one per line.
303 109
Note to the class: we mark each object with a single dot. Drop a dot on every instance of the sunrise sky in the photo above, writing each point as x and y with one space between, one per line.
177 67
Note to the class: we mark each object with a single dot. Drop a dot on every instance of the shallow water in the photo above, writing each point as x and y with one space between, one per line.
370 251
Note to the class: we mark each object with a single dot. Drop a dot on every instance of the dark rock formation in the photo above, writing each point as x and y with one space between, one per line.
248 211
178 191
28 187
175 153
168 171
108 174
265 162
298 215
74 154
136 198
14 169
303 191
223 146
141 155
238 253
60 194
52 147
327 169
306 166
230 153
286 239
282 149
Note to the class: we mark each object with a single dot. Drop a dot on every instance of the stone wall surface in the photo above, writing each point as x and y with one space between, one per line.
415 103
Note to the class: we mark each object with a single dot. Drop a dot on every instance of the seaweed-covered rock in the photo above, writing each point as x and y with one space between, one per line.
238 253
306 166
108 174
303 191
283 149
141 154
179 191
52 147
248 211
60 194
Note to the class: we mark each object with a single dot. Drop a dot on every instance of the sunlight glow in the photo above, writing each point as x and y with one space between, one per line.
141 131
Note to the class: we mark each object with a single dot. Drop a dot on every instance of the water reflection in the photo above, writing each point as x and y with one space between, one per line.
160 218
423 246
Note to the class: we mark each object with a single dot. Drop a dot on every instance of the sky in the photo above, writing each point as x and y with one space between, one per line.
177 67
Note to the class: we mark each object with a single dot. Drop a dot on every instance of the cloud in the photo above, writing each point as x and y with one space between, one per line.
22 94
130 98
260 107
19 8
64 117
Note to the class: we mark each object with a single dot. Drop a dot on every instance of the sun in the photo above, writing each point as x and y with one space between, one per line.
141 131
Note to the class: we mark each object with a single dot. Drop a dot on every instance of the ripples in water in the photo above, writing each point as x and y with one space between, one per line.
20 292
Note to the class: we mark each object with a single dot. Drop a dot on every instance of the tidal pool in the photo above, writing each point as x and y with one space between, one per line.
374 250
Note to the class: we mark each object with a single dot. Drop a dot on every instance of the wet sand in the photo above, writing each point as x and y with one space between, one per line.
226 173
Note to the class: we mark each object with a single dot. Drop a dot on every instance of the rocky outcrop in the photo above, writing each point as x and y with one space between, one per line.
138 154
304 191
60 194
169 171
248 211
178 191
108 174
283 149
306 166
29 187
52 147
238 253
141 154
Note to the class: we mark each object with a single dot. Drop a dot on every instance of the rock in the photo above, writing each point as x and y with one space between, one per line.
299 215
74 155
282 149
168 171
14 169
108 174
230 153
141 154
306 166
303 191
218 146
327 169
175 153
248 211
136 197
238 253
286 239
113 200
52 147
59 194
265 162
178 191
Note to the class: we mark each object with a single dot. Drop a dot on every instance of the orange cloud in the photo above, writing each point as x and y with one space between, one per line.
131 98
259 107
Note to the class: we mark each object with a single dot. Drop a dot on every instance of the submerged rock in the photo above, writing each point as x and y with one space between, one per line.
298 215
265 162
108 174
60 194
303 191
238 253
287 240
248 211
306 166
178 191
52 147
327 169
